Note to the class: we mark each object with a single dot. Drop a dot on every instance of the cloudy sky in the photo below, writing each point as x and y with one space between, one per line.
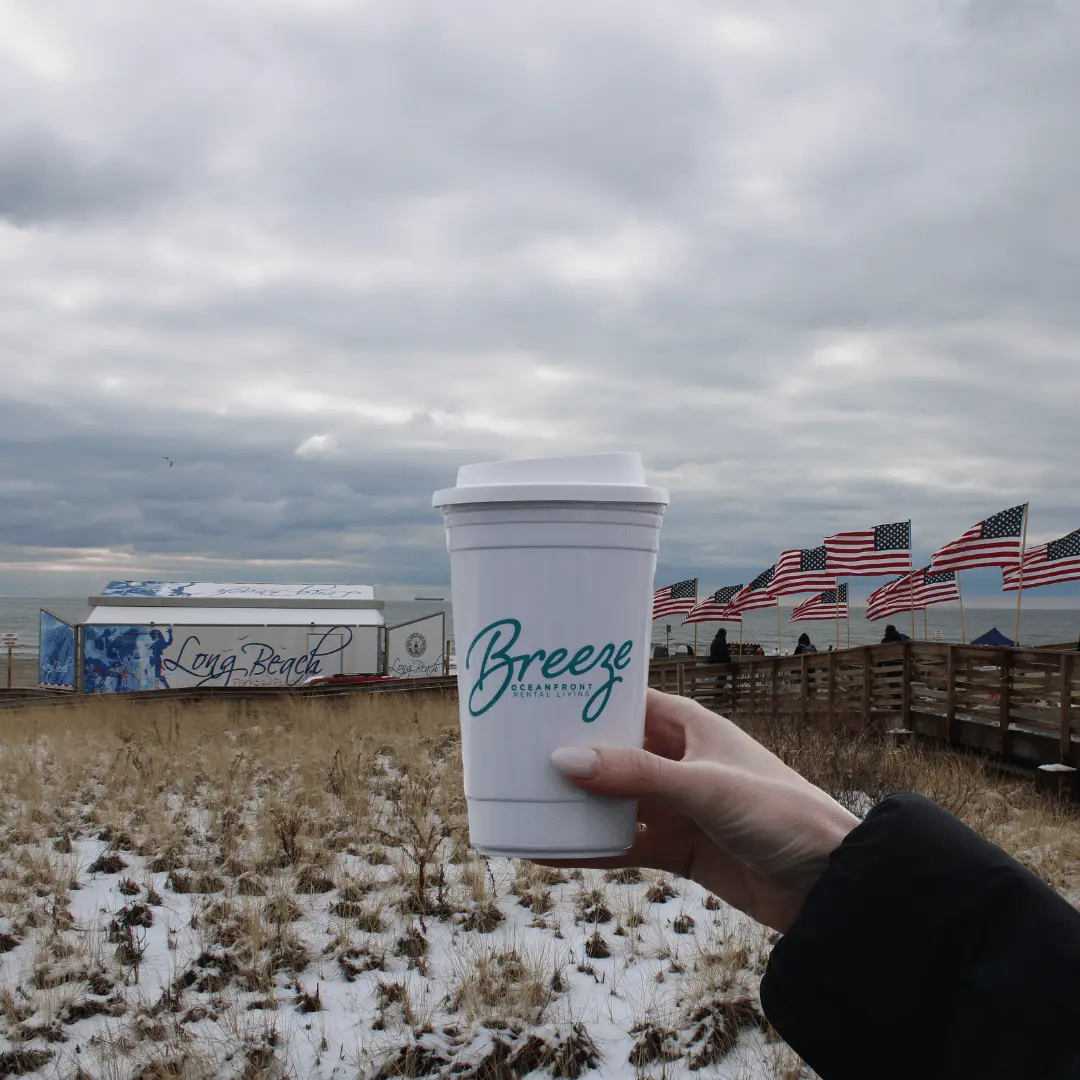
817 262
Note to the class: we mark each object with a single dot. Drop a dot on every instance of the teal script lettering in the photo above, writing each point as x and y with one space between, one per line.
497 667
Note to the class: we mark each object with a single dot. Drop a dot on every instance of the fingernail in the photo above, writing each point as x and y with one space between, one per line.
577 761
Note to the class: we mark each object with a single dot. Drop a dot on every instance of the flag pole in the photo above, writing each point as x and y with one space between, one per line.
1020 578
925 631
779 640
695 624
837 587
911 584
960 594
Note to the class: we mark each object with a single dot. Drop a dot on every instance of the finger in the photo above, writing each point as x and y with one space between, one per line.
674 723
665 735
727 803
676 727
616 771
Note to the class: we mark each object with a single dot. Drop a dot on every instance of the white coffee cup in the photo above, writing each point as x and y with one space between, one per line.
551 563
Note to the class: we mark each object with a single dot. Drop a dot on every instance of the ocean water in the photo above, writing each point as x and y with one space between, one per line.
1038 626
21 616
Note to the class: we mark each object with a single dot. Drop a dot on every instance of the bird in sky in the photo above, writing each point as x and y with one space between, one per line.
169 460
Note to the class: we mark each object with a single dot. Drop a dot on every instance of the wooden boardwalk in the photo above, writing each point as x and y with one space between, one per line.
437 684
1019 703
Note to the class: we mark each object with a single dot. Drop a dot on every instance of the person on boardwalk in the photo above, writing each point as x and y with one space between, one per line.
720 653
805 645
892 634
980 977
719 650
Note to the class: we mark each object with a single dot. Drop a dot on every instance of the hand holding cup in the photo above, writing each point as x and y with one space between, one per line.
716 807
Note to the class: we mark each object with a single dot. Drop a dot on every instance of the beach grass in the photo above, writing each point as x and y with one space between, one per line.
285 888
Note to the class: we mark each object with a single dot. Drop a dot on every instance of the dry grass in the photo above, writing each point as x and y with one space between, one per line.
861 768
208 891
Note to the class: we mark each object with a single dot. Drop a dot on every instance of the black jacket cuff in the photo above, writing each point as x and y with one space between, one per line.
926 951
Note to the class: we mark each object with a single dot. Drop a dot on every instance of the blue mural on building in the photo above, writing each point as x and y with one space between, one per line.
124 658
147 588
56 649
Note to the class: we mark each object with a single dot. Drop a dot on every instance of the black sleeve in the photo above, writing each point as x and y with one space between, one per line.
925 951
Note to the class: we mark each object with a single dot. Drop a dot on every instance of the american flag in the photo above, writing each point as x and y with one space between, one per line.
898 595
1046 564
882 591
884 549
801 571
896 606
675 599
936 586
918 589
993 542
714 607
756 594
826 605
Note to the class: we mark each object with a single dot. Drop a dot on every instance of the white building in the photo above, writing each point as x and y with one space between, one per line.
155 635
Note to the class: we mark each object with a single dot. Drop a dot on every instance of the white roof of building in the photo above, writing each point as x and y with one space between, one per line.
144 615
233 590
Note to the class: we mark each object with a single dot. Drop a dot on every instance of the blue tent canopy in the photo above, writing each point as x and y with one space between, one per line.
994 637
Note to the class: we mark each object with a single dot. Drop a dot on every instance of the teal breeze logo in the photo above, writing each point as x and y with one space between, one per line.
497 670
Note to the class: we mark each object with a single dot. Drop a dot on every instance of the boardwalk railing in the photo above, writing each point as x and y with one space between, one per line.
1022 703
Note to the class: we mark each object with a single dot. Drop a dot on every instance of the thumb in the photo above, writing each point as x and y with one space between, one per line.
619 771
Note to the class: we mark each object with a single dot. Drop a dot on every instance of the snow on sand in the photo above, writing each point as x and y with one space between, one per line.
198 896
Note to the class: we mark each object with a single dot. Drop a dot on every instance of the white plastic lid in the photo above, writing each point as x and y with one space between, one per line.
585 478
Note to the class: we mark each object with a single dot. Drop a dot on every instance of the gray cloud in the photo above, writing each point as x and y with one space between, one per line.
819 265
44 181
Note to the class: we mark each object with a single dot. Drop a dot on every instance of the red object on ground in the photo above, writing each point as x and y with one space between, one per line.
348 680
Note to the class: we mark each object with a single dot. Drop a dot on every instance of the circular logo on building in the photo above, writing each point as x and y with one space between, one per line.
416 645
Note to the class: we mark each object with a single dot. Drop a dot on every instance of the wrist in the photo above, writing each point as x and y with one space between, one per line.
830 831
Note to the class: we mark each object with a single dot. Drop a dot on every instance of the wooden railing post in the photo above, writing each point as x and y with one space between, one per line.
680 680
775 688
866 675
950 695
905 686
1066 708
832 689
1005 686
